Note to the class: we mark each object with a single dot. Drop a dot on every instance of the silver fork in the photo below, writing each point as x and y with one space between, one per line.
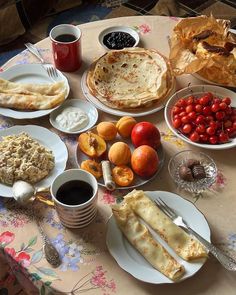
52 72
228 262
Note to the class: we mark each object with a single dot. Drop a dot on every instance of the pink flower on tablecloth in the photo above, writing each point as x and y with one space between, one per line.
144 28
23 258
108 198
10 251
1 69
174 18
6 238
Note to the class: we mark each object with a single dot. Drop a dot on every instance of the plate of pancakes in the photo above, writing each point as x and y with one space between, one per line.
131 81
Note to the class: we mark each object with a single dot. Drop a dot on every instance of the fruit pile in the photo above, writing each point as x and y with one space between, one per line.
205 119
112 141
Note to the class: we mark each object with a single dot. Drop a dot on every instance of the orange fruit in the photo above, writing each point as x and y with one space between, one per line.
122 175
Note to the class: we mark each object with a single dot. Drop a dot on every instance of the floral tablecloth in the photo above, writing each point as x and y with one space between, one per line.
87 267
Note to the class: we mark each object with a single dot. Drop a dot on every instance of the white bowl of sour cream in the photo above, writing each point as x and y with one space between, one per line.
74 116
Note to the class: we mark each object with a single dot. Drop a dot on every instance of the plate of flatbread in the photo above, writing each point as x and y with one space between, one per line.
29 150
129 82
148 245
27 92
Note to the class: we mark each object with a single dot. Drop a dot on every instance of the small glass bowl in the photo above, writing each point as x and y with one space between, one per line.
197 185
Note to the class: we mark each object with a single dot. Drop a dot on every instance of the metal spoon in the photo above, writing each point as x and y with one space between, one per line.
23 192
51 253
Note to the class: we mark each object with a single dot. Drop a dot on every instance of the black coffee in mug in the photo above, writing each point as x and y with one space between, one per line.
74 192
65 38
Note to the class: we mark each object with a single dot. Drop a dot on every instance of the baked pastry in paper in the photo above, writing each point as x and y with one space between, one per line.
205 45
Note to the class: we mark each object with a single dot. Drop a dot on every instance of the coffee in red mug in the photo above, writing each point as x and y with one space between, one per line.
66 47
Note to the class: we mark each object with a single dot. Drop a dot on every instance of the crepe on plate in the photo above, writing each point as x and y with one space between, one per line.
131 78
23 96
140 237
183 244
204 44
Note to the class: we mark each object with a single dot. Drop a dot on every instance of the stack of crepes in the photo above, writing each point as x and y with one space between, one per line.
205 45
23 96
131 78
137 204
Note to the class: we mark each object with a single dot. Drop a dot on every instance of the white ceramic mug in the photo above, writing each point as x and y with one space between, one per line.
75 216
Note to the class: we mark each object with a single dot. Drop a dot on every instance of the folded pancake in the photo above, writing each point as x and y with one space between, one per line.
23 96
130 78
182 243
139 236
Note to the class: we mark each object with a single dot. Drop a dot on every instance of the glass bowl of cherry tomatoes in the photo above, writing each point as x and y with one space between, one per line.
204 116
192 171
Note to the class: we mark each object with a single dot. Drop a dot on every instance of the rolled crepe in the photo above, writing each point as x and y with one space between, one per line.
182 243
140 237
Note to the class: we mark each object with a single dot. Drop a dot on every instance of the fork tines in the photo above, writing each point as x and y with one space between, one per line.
165 208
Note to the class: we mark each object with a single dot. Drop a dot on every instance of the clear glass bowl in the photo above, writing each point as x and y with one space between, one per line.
197 185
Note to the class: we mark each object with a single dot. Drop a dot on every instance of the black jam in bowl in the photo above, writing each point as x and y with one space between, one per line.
118 40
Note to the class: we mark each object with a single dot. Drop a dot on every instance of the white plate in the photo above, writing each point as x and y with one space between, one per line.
125 29
29 73
138 181
116 112
198 90
85 106
131 261
48 139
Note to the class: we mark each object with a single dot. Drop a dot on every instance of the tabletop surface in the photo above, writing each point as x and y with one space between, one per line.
87 267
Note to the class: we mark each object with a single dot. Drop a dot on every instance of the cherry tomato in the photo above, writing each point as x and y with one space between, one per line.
223 106
185 119
203 137
189 108
175 110
223 137
220 115
215 107
198 108
210 130
190 100
234 125
206 110
177 123
209 119
187 128
176 117
200 119
227 100
192 116
216 100
204 100
213 139
200 128
182 114
213 124
194 136
181 103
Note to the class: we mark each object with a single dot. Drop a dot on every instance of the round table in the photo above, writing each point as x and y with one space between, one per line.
87 265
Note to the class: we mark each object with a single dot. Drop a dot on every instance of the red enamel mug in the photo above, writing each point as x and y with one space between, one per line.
66 47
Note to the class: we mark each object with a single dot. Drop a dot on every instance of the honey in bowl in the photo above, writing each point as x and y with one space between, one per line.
74 192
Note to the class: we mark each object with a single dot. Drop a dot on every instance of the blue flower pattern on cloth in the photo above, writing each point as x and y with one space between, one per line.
70 253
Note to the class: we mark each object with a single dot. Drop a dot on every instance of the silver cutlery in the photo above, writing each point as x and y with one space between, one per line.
51 71
51 253
228 262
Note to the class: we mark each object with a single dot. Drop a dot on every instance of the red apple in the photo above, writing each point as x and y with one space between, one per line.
145 133
144 161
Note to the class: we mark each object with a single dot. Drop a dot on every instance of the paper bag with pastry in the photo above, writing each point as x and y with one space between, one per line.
205 45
